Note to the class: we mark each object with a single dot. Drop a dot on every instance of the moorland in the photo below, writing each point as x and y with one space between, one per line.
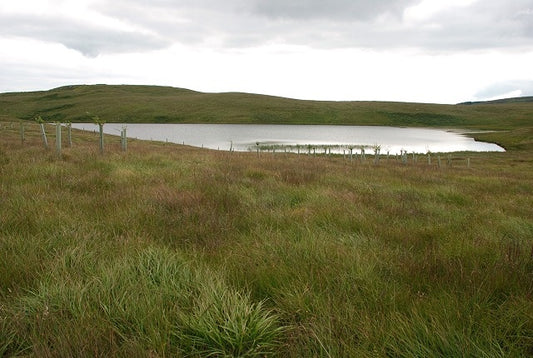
170 250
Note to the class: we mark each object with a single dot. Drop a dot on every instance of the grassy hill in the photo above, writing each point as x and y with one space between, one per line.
169 250
146 104
503 100
155 104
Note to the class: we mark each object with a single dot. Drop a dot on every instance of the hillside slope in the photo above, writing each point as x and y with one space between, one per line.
151 104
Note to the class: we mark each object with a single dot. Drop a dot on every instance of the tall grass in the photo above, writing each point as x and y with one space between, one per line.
148 301
172 251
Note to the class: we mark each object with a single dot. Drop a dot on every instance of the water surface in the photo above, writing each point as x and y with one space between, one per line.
244 137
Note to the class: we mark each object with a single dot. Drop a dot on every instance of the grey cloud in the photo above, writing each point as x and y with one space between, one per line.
485 24
333 10
343 10
88 40
378 24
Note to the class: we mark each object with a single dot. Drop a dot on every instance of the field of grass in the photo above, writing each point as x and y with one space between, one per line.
147 104
168 250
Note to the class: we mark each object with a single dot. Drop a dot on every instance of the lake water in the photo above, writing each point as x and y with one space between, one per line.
245 137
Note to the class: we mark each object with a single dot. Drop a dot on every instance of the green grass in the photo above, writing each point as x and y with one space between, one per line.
169 250
149 104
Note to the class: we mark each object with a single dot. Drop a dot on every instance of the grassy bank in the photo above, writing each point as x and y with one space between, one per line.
173 251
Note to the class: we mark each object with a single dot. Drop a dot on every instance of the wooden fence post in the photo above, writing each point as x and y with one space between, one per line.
58 139
22 138
69 134
39 120
101 131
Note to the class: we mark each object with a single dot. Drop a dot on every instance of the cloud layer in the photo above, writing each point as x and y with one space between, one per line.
138 25
443 51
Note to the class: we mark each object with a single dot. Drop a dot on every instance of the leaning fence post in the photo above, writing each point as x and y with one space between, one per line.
39 120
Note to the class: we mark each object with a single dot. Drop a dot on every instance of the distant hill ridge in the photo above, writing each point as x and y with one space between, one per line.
157 104
502 100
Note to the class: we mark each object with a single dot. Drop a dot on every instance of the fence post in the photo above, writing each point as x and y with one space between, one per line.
124 139
22 138
39 120
69 134
101 130
58 139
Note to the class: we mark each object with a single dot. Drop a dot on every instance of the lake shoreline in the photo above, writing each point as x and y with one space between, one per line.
249 137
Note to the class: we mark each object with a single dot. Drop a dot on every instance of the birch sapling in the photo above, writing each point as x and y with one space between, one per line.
39 120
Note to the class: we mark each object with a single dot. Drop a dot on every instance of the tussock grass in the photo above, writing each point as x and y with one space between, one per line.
173 251
150 301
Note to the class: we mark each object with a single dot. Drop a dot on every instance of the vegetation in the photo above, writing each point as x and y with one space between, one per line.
146 104
168 250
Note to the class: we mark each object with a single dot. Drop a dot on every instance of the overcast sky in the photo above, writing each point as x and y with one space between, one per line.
442 51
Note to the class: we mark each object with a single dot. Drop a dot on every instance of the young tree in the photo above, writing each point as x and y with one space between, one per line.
41 122
100 123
